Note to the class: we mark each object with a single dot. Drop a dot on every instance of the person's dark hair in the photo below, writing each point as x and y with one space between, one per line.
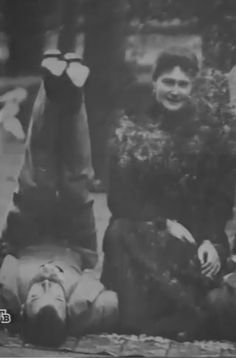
176 56
45 329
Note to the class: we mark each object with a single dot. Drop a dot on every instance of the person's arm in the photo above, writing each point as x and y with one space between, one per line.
80 301
9 296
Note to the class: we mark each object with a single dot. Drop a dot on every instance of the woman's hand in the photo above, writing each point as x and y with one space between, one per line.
209 259
177 230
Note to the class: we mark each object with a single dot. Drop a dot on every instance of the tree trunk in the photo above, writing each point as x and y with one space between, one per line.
104 54
26 22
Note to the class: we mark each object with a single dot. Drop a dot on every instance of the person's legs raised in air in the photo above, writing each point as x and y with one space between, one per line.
35 202
76 204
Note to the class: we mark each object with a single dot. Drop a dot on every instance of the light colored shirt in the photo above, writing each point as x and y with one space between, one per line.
81 287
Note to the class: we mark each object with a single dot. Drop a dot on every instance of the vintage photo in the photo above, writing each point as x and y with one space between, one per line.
117 178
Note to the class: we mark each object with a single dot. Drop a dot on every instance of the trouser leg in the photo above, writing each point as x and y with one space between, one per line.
53 184
35 201
76 204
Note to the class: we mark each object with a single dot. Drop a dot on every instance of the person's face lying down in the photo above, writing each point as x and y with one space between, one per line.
46 290
173 89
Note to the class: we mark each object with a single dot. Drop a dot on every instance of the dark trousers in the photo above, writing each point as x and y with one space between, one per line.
53 200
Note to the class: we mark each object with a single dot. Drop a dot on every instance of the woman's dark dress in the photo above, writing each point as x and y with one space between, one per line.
166 166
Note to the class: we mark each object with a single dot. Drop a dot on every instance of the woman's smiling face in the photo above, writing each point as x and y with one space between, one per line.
173 89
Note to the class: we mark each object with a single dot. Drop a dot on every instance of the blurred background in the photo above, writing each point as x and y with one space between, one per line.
119 40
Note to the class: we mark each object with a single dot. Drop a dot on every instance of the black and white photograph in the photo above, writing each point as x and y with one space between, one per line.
117 178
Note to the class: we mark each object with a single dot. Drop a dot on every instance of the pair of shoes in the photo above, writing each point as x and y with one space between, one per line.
64 74
57 63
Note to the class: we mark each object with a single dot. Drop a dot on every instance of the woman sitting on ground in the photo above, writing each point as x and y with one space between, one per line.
171 193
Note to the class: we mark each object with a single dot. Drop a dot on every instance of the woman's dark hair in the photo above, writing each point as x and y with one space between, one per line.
176 56
45 329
